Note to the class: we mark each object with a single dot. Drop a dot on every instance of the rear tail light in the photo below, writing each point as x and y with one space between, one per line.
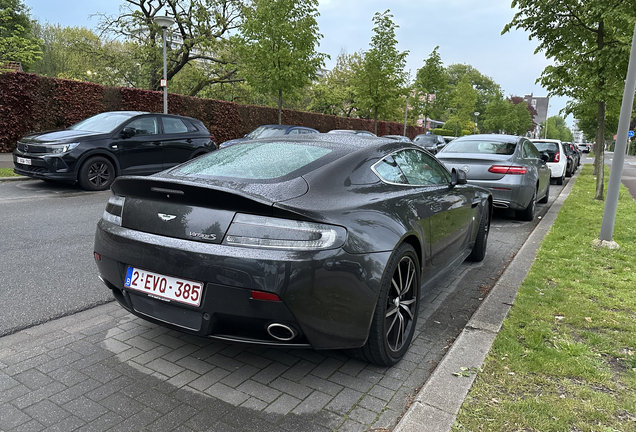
114 209
504 169
557 157
273 233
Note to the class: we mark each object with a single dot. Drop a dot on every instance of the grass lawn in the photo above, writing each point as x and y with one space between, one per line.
565 359
7 172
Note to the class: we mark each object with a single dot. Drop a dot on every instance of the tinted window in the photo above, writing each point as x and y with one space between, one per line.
254 161
480 146
293 132
546 146
144 126
104 122
529 150
425 139
415 168
388 170
173 125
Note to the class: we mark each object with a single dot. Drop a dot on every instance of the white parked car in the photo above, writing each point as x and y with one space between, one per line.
558 161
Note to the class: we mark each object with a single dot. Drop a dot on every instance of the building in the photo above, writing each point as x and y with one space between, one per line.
579 138
541 104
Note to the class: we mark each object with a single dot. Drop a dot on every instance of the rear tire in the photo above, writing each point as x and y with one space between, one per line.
561 179
396 311
479 248
547 195
527 214
96 174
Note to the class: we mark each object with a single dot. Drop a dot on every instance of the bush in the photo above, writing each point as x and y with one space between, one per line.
32 103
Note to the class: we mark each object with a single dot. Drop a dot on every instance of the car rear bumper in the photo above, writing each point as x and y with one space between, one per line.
508 193
557 169
328 298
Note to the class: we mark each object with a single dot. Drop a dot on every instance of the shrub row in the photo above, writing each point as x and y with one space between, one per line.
33 103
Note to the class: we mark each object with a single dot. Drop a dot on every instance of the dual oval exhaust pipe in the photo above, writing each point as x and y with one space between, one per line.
281 332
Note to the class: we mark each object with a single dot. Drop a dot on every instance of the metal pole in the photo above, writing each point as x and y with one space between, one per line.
165 75
406 110
616 172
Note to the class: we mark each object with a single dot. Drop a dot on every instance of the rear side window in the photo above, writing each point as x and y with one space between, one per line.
173 125
546 146
412 167
144 126
254 161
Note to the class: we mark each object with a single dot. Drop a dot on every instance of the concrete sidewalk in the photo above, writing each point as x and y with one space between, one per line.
6 160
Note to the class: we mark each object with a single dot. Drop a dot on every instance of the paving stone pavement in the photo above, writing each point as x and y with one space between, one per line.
105 370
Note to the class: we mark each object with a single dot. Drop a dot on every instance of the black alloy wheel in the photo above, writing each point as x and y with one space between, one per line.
396 311
96 174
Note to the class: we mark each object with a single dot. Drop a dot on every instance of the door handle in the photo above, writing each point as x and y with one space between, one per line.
157 143
189 141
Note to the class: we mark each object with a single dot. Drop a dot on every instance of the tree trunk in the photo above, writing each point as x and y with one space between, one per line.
280 107
375 120
599 152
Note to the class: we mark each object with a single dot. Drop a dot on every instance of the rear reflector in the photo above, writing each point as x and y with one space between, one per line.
260 295
98 257
503 169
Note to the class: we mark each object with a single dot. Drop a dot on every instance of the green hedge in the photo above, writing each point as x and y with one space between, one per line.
32 103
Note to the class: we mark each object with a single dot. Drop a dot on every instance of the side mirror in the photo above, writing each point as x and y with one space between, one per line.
545 157
458 177
128 132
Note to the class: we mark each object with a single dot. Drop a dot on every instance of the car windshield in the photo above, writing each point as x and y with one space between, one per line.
254 161
103 123
546 146
480 146
425 139
266 131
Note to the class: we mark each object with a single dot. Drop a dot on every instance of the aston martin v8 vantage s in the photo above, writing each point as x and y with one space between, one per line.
324 241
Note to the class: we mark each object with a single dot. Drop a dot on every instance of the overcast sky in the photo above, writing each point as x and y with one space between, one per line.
466 31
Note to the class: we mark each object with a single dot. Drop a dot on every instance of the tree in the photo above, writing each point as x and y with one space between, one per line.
431 85
379 82
16 40
589 44
462 107
487 89
557 129
334 94
497 116
278 46
200 33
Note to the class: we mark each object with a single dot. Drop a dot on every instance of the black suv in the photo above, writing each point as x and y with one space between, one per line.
96 150
432 143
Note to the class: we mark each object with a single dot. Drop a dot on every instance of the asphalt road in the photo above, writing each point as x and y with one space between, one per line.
46 254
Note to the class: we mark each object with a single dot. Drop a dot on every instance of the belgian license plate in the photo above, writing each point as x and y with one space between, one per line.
165 287
24 161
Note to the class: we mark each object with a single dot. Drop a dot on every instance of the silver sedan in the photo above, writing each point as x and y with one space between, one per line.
509 166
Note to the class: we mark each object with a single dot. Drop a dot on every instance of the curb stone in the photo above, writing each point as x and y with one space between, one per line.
437 404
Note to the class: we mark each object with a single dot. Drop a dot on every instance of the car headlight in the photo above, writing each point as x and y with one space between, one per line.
61 148
274 233
114 209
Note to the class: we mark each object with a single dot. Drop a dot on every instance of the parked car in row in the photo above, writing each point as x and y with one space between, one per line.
352 132
270 130
510 167
400 138
432 143
573 158
557 161
584 147
316 240
96 150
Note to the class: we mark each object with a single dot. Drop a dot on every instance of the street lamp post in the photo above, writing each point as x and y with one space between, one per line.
476 114
164 22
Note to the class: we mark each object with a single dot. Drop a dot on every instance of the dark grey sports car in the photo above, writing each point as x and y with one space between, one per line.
325 241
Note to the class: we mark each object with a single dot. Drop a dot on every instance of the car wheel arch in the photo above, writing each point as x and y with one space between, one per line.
111 157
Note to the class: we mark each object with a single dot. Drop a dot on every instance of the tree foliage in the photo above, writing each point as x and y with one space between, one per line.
462 107
589 44
278 46
334 93
487 89
431 88
379 82
200 33
557 129
16 39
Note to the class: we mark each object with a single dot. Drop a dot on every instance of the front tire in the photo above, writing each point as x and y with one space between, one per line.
96 174
396 311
